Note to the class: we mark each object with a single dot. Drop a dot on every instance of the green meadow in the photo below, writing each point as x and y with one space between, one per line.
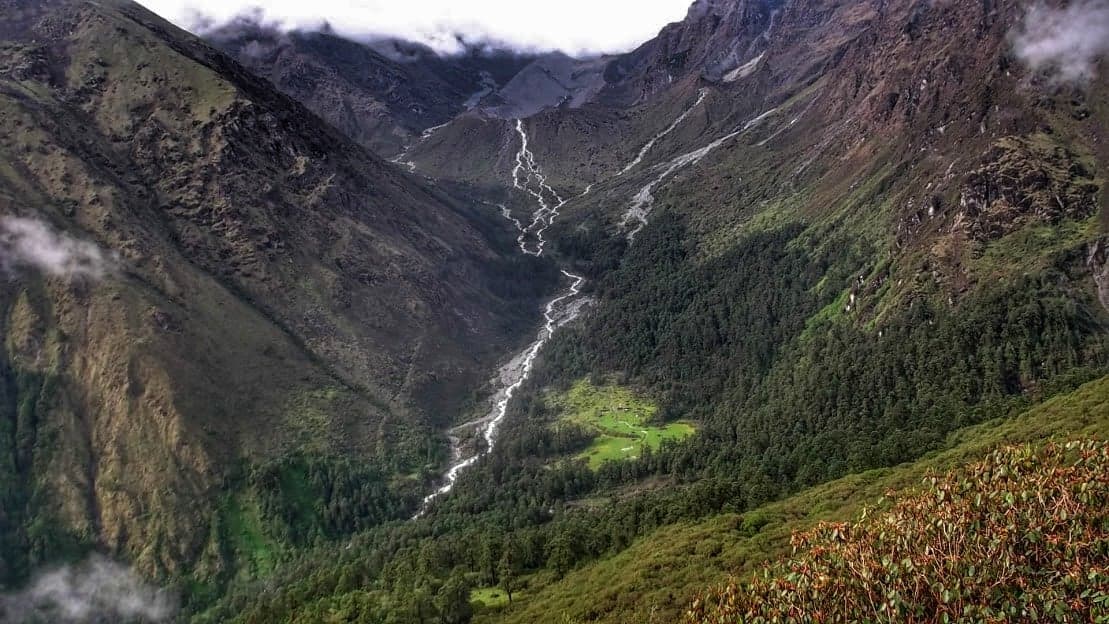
491 597
621 419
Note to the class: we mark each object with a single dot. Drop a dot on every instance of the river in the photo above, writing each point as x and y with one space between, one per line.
527 177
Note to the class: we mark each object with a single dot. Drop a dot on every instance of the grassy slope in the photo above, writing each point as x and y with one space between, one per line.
492 597
655 579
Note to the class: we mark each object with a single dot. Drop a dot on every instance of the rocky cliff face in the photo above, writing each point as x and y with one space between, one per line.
718 41
199 273
381 94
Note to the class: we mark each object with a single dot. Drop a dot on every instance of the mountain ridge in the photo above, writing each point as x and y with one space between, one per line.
272 276
830 234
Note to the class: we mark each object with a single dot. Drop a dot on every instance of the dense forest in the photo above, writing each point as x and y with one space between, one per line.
786 392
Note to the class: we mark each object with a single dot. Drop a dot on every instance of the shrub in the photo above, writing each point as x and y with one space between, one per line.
1022 536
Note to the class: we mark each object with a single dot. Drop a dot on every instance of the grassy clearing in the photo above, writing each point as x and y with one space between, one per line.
655 579
619 417
246 537
491 597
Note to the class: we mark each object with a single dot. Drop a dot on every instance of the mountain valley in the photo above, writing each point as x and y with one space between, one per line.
302 328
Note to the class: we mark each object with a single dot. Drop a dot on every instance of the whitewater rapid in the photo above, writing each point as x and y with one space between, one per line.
402 158
527 177
677 122
644 200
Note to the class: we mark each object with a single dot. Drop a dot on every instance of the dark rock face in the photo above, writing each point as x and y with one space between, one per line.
717 38
1098 263
1022 183
381 94
550 81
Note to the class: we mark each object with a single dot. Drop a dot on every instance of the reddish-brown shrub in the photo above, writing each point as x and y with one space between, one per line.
1022 536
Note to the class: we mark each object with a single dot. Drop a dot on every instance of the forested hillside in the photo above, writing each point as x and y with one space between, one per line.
667 570
618 558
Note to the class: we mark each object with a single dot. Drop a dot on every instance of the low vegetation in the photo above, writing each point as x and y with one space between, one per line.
658 577
490 597
1022 535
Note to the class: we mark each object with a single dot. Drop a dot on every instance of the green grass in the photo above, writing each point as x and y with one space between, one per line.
1033 246
620 418
831 312
491 597
655 579
246 536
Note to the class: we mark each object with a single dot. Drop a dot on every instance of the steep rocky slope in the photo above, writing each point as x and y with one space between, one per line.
719 41
380 95
386 94
832 91
200 276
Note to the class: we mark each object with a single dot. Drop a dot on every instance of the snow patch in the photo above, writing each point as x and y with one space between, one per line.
744 70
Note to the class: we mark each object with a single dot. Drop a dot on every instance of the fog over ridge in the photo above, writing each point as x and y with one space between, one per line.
1064 43
577 27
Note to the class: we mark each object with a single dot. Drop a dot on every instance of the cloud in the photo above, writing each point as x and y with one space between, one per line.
98 590
33 243
1066 43
572 26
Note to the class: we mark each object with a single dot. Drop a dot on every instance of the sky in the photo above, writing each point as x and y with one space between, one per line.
576 27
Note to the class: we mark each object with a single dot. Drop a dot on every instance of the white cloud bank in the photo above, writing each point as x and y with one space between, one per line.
573 26
33 243
1066 43
97 590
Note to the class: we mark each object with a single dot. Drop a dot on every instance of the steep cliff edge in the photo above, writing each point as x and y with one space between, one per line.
383 101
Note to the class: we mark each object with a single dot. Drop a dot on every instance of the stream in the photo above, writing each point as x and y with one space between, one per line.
527 177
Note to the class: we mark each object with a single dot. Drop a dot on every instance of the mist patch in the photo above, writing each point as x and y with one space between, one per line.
96 590
1065 44
33 243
